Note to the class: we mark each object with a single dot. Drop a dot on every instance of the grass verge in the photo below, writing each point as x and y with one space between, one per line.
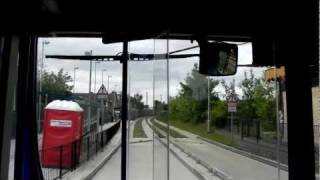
138 131
201 130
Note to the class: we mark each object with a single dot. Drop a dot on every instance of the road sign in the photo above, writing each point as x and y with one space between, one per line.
232 107
232 103
102 93
232 98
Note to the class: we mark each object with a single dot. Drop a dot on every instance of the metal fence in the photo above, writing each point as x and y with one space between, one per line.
57 161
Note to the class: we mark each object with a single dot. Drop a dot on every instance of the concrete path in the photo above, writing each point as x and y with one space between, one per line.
141 162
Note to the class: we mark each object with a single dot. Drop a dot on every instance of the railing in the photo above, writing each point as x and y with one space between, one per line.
59 160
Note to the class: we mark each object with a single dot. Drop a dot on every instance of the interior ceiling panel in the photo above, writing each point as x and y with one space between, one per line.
238 21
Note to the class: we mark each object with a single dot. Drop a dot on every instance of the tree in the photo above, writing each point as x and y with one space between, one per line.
190 105
136 106
56 84
219 113
198 84
219 110
258 101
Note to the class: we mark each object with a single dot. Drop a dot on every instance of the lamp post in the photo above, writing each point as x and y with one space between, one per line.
95 74
74 78
108 82
44 42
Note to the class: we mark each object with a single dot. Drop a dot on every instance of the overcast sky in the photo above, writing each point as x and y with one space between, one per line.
140 73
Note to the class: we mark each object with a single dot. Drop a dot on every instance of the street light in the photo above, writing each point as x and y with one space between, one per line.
102 74
95 74
44 42
108 82
74 78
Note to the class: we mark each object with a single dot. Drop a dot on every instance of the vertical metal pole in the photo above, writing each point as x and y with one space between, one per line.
108 82
40 86
147 98
153 104
74 80
8 97
231 124
97 140
241 128
168 99
88 147
208 122
278 126
89 109
101 123
129 120
124 112
318 134
102 76
95 76
233 94
97 119
60 161
257 130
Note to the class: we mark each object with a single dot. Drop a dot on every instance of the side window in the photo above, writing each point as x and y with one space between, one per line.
78 114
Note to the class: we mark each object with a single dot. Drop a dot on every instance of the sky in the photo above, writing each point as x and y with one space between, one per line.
140 74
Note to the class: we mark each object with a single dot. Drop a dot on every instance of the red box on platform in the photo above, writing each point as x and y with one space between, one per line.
62 130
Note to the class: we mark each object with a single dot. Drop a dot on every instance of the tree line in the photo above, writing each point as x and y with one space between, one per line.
256 103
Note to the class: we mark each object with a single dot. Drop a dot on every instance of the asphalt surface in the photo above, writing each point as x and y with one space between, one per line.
235 165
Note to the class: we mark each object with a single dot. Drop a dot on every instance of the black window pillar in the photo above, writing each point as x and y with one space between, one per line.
27 164
124 112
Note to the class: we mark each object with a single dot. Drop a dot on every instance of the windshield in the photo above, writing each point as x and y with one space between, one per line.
181 124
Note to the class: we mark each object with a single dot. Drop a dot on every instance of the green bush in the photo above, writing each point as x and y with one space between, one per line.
219 113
